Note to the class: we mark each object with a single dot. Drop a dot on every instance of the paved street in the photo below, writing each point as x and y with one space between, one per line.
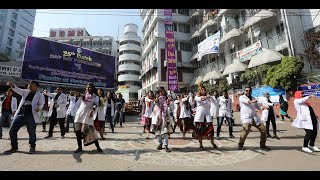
128 150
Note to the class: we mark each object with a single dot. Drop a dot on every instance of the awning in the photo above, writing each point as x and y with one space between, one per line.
237 66
96 39
195 56
207 24
263 14
221 12
212 75
266 56
195 34
233 33
196 80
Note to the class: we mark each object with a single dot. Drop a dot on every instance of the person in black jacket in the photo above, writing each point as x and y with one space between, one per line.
284 108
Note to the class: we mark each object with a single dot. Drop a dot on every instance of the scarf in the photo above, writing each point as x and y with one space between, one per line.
297 95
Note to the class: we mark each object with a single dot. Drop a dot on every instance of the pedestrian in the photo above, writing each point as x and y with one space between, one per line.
28 113
100 114
119 105
214 105
271 115
45 112
284 108
176 111
110 110
184 121
57 110
306 119
74 104
84 119
204 126
8 108
249 118
149 100
225 107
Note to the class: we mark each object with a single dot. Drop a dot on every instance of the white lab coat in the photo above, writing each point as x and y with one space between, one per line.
62 102
303 119
203 110
225 106
184 113
37 102
176 104
112 107
83 113
247 111
214 106
101 112
149 107
73 106
13 104
265 112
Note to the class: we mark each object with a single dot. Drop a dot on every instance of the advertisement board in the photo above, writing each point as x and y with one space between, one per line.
209 45
274 93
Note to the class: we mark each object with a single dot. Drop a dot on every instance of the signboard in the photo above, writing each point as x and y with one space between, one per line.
53 62
310 89
68 32
246 53
125 94
170 52
209 45
10 71
274 93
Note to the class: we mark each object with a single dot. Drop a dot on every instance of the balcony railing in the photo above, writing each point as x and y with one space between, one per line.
231 57
232 24
273 42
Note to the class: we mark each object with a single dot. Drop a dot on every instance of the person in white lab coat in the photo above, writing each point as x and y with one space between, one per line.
45 112
306 119
214 105
271 116
8 107
176 111
74 105
110 110
57 110
149 100
185 117
100 114
225 107
249 118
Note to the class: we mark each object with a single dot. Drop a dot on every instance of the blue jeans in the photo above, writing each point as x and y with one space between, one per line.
6 116
17 123
118 117
166 139
220 120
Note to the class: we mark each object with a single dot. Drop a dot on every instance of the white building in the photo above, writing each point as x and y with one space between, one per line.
15 26
129 65
153 59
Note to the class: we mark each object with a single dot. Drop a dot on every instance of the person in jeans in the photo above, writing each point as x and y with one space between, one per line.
8 108
119 105
74 98
306 119
225 107
27 114
110 110
249 118
57 110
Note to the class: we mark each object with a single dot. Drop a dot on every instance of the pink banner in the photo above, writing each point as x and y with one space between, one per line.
170 52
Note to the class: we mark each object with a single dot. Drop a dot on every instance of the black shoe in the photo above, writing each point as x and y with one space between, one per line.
276 137
62 137
201 147
32 150
159 147
48 137
0 137
99 149
78 150
167 149
269 136
231 136
215 146
240 147
12 150
265 148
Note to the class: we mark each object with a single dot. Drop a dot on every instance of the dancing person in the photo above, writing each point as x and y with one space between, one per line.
284 108
271 116
8 108
225 108
100 114
149 100
110 110
74 99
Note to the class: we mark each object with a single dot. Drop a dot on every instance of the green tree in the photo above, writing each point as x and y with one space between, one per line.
4 58
313 40
255 75
285 73
220 86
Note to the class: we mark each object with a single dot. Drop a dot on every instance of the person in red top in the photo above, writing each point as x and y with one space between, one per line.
9 107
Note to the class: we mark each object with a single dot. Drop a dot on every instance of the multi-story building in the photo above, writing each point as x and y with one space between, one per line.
153 59
243 33
129 65
15 26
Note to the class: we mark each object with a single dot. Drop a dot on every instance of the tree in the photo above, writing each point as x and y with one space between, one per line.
4 58
285 73
312 51
220 86
255 75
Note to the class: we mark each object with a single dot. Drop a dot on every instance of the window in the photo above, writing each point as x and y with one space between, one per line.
185 28
176 45
175 27
13 24
11 32
280 29
185 46
8 51
183 12
174 10
9 42
14 15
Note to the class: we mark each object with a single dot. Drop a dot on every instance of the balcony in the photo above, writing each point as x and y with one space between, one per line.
130 38
277 42
129 57
128 77
233 23
231 57
129 67
134 47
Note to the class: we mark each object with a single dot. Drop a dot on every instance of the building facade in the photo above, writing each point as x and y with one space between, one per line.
15 26
129 65
153 59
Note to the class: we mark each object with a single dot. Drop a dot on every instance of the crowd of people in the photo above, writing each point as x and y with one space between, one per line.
161 114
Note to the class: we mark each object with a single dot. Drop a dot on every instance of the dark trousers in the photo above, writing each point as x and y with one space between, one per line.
6 116
118 118
70 119
53 121
80 136
110 119
274 126
310 136
220 121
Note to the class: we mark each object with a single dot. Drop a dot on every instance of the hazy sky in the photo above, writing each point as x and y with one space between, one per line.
98 22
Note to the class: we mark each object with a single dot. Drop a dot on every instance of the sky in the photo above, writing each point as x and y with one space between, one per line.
98 22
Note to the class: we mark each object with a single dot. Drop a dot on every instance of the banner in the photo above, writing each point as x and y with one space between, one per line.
274 93
209 45
50 61
310 89
170 52
12 71
246 53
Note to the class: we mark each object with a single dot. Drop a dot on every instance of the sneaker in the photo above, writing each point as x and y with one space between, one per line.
275 137
32 150
159 147
167 149
307 150
12 150
48 137
269 136
265 148
78 150
314 148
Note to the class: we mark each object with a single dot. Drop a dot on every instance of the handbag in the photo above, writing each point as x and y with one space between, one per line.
143 120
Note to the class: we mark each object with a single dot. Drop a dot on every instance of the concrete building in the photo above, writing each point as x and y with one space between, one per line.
15 26
153 59
129 65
